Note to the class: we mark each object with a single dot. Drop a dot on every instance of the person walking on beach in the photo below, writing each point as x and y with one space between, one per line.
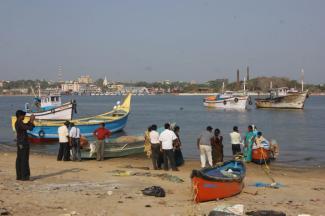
155 147
249 141
64 149
22 160
179 160
167 139
101 134
217 147
204 145
235 141
74 135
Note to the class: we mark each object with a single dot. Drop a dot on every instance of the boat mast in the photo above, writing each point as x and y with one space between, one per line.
223 87
302 79
39 90
271 85
244 84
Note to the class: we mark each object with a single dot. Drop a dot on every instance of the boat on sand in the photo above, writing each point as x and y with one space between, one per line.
221 181
116 147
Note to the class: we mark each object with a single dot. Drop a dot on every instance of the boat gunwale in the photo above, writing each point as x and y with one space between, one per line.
201 173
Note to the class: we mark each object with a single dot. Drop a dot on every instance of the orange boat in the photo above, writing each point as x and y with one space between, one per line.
218 182
260 155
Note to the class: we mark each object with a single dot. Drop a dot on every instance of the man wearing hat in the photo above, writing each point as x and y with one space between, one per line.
64 150
22 161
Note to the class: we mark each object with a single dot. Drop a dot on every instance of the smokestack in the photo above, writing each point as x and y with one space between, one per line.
238 84
247 75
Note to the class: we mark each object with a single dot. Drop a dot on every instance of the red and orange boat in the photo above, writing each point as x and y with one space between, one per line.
260 155
218 182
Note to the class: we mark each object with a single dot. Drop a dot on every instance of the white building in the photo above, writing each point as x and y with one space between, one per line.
72 87
86 79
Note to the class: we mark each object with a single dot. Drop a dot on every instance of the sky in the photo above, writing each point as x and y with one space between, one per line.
151 40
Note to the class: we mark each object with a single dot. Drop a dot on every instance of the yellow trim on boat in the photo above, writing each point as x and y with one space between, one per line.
118 113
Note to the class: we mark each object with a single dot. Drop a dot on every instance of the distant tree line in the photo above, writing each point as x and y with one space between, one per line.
262 84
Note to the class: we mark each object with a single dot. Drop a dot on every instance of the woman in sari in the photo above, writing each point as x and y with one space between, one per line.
179 160
249 141
147 143
217 147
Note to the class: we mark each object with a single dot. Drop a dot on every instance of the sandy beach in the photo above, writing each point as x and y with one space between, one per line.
91 188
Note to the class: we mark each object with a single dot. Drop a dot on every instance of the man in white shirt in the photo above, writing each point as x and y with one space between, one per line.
64 150
75 142
204 145
155 148
235 141
167 138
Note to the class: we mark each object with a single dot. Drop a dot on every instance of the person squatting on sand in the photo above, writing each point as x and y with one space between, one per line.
22 161
217 147
64 149
101 134
204 145
235 141
155 147
167 139
74 135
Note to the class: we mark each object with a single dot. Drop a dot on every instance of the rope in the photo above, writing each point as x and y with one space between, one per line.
267 169
195 206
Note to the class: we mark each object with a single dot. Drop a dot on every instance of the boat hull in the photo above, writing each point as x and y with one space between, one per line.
260 156
114 120
228 103
207 187
112 150
48 132
291 101
63 112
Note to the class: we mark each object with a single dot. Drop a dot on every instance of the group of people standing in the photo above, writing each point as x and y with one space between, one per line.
164 148
252 139
70 140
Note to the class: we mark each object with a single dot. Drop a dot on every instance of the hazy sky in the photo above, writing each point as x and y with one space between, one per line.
158 40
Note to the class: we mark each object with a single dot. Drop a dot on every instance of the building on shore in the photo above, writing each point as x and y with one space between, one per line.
85 79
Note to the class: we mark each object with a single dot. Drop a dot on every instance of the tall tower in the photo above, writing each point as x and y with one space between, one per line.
247 75
60 74
238 84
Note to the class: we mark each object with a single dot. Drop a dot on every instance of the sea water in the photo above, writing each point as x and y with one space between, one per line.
300 133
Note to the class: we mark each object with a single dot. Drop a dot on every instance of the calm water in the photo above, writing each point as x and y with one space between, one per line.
299 132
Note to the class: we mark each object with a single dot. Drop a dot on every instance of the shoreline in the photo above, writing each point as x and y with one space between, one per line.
172 94
91 188
8 148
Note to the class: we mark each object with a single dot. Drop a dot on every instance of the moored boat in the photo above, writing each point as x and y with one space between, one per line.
115 120
283 98
50 107
221 181
227 100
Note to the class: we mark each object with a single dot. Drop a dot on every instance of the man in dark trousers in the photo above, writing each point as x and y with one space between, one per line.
22 161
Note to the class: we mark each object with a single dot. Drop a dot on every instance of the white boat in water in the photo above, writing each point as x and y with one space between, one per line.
229 100
283 98
51 107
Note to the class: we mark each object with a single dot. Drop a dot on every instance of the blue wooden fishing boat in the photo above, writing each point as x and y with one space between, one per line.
115 120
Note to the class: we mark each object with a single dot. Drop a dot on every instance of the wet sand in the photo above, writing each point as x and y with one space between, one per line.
90 188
